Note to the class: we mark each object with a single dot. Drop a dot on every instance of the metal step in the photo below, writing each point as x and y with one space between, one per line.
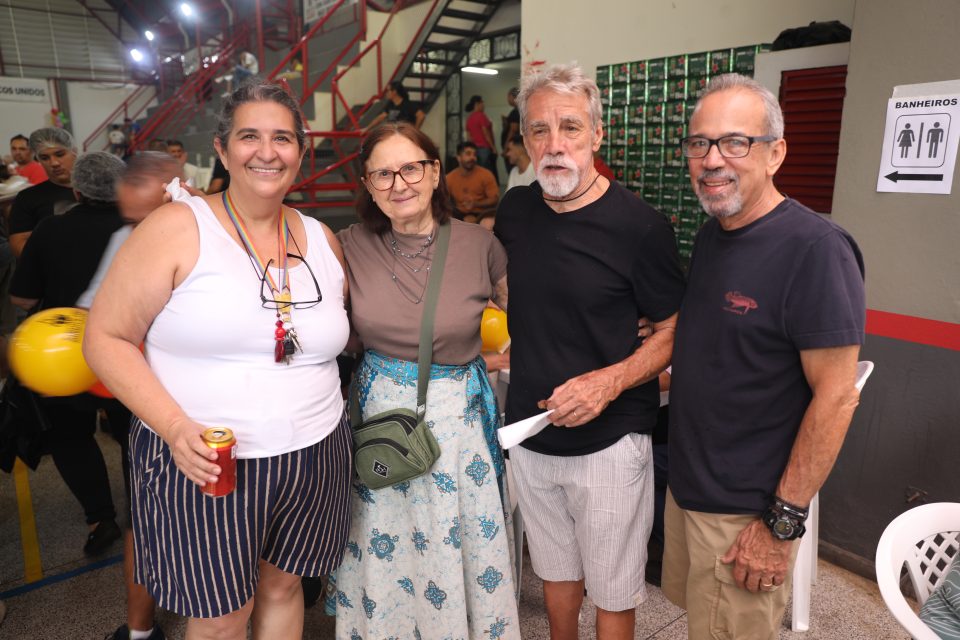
453 31
463 15
429 76
444 46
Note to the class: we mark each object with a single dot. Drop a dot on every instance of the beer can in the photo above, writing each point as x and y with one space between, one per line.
221 440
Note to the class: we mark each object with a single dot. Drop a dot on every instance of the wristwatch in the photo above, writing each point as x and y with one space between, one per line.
784 520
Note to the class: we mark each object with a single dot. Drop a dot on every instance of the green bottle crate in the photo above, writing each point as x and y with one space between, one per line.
657 69
638 71
677 89
653 135
677 66
636 113
673 133
698 64
655 113
721 61
675 112
620 74
656 90
604 75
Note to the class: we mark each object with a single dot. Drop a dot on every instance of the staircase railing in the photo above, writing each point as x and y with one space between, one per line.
180 108
314 171
135 104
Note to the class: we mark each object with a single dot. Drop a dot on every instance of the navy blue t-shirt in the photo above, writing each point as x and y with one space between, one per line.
756 297
578 283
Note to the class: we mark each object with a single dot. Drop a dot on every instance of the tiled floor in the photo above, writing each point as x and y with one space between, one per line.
79 599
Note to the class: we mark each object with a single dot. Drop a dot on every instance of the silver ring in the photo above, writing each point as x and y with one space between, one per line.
574 413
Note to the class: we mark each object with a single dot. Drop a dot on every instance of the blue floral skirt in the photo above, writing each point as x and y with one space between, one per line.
430 558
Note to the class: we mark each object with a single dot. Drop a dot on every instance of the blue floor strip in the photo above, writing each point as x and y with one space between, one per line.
33 586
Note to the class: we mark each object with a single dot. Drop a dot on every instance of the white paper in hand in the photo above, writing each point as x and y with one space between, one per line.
513 434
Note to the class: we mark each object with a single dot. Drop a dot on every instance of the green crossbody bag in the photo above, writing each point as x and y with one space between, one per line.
397 445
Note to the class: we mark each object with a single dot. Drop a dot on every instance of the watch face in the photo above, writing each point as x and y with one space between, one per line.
783 528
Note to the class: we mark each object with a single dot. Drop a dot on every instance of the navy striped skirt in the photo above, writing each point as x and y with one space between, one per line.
198 555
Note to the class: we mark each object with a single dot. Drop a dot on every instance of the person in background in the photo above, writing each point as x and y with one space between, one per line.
156 144
118 141
56 266
764 365
523 172
601 166
510 126
189 171
451 576
480 133
240 301
139 192
473 188
399 108
56 152
585 256
219 179
23 162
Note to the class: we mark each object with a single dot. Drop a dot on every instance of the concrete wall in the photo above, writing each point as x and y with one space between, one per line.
905 435
597 33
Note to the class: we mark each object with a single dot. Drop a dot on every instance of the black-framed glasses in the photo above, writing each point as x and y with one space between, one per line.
281 304
411 173
729 146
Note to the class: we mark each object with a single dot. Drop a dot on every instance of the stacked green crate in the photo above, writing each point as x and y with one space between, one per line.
604 74
649 105
617 129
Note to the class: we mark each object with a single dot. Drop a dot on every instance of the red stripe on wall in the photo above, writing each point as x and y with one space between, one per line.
935 333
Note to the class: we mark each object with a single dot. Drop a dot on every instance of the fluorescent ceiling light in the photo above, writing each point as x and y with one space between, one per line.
149 35
136 55
186 9
481 70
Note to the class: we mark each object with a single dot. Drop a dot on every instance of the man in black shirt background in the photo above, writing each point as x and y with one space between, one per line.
55 150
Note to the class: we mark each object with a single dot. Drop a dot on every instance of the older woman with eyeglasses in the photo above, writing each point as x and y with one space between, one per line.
429 556
240 301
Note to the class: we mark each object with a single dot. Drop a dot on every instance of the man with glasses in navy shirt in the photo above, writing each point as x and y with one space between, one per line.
764 365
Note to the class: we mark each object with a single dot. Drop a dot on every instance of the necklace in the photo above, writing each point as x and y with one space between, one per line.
424 266
409 256
284 335
579 195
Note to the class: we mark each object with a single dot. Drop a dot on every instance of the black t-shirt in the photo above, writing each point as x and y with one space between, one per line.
62 255
756 297
406 111
579 281
38 202
220 171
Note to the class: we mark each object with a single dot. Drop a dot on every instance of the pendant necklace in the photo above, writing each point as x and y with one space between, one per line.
284 335
407 260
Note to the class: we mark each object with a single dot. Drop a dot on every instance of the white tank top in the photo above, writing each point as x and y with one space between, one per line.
212 344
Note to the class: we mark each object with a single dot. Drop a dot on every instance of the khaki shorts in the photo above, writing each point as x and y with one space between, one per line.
589 517
695 579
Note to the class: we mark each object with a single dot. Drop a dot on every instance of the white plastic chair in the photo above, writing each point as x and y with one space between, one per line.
805 568
926 540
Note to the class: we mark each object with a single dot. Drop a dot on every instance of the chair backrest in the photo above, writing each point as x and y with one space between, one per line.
864 369
926 540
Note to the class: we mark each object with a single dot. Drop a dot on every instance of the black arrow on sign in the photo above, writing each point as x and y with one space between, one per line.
931 177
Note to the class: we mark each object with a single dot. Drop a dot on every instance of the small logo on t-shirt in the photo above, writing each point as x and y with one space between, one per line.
739 303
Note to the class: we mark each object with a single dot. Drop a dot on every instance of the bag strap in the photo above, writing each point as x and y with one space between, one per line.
425 351
425 354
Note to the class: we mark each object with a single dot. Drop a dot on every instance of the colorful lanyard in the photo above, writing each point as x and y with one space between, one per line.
283 236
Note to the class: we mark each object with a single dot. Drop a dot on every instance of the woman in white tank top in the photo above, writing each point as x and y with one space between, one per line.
240 303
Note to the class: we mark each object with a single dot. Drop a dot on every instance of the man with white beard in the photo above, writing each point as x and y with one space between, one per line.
587 258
